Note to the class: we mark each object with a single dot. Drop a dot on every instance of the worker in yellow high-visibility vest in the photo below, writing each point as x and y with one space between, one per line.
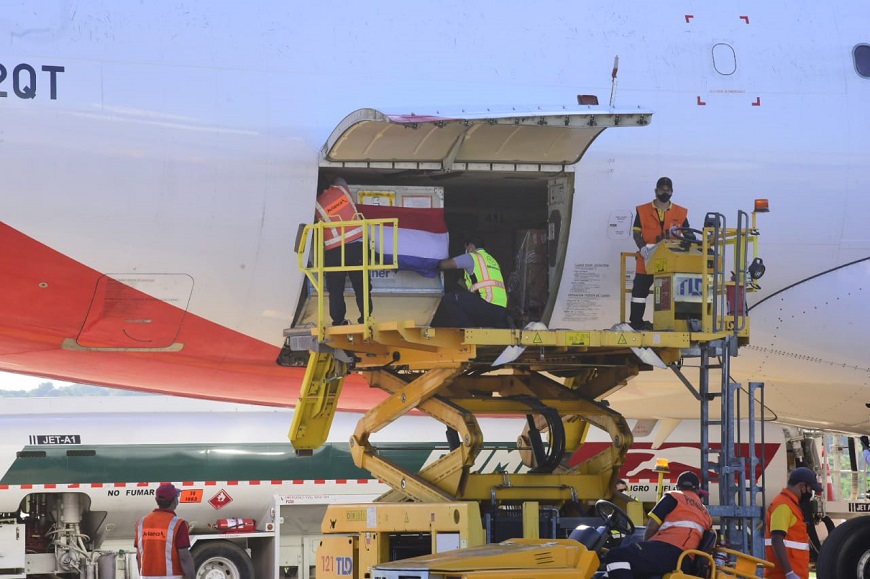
787 542
484 305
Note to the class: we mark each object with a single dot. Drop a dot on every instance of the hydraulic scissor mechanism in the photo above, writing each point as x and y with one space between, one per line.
557 416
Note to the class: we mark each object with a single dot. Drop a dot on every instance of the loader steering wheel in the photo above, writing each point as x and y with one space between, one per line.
686 234
614 518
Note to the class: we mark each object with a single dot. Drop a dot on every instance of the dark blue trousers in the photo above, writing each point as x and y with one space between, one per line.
465 309
335 281
642 559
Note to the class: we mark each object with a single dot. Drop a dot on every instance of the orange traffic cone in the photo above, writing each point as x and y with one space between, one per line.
829 484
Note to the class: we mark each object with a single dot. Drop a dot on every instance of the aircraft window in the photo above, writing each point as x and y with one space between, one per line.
862 59
724 59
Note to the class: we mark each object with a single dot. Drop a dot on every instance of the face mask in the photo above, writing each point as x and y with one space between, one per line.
806 496
664 197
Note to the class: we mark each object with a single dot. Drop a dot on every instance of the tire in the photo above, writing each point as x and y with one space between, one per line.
845 554
221 560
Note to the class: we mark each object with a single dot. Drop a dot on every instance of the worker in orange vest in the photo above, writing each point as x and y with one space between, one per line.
787 541
677 523
337 204
652 223
156 531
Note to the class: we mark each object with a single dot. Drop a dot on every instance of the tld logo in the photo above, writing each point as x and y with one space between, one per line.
690 287
343 566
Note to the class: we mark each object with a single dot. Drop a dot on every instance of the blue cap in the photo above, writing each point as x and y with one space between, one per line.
804 475
689 481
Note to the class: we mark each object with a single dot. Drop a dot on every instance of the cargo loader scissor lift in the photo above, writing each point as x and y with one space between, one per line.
556 379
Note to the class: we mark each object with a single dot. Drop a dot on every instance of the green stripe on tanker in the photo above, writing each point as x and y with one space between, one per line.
195 462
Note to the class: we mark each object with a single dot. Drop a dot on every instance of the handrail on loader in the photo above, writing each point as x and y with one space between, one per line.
373 238
692 289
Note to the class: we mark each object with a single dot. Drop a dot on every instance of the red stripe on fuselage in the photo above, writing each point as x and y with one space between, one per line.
47 298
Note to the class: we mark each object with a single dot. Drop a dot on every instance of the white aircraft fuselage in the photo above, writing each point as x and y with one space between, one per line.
175 149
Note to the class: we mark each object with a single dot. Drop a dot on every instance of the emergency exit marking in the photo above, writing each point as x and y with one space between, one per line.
621 339
537 339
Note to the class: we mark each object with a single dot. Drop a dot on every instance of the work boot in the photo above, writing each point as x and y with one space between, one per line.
636 316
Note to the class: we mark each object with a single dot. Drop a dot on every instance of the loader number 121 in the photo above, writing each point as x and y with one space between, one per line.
336 565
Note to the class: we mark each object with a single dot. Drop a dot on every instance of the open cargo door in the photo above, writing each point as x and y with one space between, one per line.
506 174
515 140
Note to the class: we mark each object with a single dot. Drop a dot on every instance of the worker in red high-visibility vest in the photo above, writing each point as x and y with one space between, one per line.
162 540
677 523
337 204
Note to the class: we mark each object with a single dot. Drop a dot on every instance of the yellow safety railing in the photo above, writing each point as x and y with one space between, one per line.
374 236
626 289
726 290
724 267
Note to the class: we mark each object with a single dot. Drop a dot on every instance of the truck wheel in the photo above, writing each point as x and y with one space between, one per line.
846 551
221 560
